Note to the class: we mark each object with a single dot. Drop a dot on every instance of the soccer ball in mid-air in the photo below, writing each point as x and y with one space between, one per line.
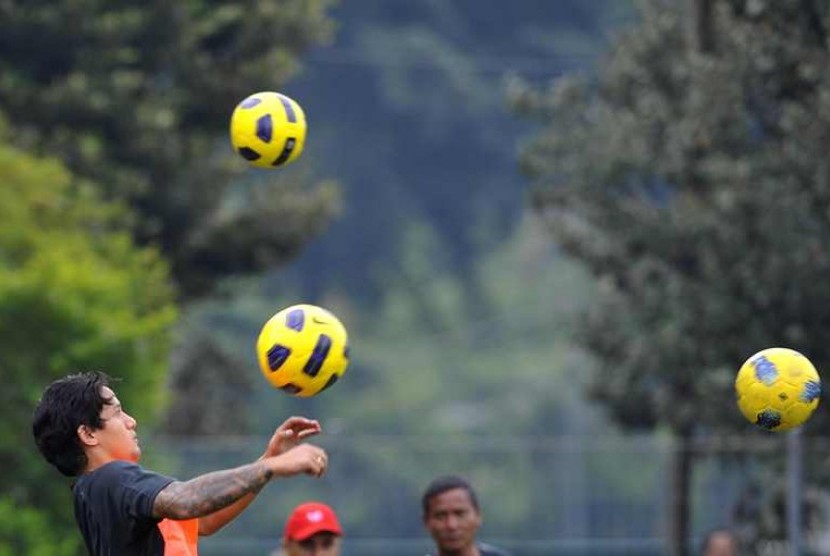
303 350
268 129
777 389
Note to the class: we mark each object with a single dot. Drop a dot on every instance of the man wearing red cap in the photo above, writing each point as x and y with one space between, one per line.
312 529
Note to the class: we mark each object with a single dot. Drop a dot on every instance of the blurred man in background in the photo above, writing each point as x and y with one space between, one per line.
312 529
452 516
719 542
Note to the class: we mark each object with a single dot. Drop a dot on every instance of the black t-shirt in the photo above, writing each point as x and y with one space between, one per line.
114 510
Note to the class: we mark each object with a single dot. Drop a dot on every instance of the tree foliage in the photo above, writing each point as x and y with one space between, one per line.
212 394
422 81
27 530
75 294
431 357
136 96
695 186
432 364
691 177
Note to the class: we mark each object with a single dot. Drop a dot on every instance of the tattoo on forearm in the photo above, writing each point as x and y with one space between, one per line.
210 492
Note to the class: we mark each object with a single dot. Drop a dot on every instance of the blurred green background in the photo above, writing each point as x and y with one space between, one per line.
554 232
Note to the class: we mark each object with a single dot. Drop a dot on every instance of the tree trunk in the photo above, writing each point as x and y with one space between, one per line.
680 472
813 22
701 37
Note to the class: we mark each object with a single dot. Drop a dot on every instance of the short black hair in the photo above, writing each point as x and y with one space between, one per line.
65 405
441 485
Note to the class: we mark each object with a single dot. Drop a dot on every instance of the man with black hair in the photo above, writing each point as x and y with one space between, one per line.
124 510
452 516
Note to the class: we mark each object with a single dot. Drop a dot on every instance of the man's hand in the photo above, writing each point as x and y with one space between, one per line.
288 435
305 458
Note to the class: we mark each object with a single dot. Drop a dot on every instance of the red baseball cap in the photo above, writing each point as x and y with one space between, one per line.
310 518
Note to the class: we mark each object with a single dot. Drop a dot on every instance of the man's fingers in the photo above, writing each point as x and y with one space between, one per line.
299 422
322 463
307 432
319 461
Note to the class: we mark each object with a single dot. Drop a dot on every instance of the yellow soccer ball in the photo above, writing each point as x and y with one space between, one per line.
268 129
303 350
777 389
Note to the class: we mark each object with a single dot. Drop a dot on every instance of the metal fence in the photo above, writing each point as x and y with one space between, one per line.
539 496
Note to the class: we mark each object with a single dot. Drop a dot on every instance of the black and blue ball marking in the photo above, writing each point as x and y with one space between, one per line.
331 381
765 370
250 102
292 389
812 391
295 320
277 356
290 142
248 153
768 419
333 378
318 356
287 149
265 128
289 110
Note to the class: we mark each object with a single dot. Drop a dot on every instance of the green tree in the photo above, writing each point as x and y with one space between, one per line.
28 530
433 363
423 88
137 97
75 293
691 178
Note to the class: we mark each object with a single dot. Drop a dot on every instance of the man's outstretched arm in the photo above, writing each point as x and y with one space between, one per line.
211 492
288 435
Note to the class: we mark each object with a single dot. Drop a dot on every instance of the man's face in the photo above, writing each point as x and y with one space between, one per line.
721 544
117 438
318 544
452 520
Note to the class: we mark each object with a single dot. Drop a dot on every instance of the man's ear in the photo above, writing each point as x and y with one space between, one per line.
87 435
